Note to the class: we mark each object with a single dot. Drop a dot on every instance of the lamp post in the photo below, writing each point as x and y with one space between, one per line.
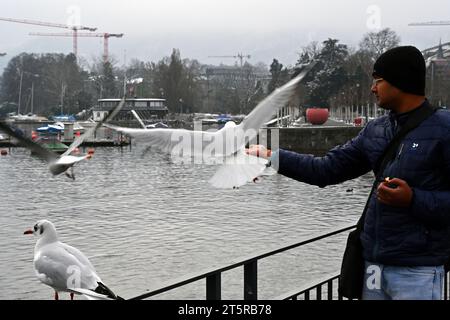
35 75
20 92
181 105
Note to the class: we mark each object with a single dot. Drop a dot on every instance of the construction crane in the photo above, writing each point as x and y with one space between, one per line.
105 37
430 23
240 56
55 25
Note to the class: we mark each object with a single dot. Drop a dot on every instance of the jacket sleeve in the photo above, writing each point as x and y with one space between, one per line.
339 164
433 207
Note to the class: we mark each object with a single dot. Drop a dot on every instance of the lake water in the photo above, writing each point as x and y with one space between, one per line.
143 220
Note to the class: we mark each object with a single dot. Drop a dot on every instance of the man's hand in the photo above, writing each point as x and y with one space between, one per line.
395 192
259 150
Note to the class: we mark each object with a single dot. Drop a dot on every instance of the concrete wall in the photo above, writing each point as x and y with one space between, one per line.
315 140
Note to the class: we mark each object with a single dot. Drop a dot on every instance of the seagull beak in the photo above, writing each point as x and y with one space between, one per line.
28 231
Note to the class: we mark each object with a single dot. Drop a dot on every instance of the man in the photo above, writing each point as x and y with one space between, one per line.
406 238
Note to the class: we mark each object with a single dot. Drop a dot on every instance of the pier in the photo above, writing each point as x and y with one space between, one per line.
103 137
311 139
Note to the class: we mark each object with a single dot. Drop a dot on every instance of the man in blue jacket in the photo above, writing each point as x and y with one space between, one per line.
406 237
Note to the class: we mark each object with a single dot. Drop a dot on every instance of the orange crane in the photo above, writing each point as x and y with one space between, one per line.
105 37
55 25
240 56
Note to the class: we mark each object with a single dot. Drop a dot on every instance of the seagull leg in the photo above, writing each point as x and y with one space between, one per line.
69 175
56 295
71 296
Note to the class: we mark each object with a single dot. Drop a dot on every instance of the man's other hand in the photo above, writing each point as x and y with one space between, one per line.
395 192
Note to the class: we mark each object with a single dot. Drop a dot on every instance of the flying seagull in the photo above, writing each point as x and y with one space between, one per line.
225 146
61 163
65 268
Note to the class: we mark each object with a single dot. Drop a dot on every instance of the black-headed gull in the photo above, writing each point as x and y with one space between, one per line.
63 267
228 143
61 163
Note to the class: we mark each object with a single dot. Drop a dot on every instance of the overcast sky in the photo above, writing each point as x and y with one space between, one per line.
264 29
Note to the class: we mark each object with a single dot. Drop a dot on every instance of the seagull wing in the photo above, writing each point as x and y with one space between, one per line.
168 140
266 109
238 170
78 255
69 160
59 268
91 131
39 150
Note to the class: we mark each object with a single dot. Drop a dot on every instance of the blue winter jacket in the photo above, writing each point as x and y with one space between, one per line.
415 236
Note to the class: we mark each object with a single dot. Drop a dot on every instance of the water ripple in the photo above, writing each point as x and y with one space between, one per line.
143 220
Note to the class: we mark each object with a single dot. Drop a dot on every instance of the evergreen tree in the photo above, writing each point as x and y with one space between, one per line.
108 81
329 74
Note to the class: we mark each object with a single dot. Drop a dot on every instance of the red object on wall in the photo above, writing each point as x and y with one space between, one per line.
358 121
317 115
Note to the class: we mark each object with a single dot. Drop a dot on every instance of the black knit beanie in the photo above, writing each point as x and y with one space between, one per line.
404 68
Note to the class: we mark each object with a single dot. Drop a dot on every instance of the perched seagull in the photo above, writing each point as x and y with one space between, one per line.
61 163
227 144
65 268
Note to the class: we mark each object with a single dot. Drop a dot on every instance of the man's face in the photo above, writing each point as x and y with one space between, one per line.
385 93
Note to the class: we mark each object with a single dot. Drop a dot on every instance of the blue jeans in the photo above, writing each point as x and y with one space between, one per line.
382 282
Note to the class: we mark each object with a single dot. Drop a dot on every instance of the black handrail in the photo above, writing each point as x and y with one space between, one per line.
250 268
213 277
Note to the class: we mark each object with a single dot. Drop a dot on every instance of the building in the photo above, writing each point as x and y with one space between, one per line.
148 109
438 74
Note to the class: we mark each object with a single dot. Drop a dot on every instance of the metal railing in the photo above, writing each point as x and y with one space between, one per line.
250 264
322 289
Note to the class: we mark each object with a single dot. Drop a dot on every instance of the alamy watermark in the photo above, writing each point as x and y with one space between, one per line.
74 278
218 147
373 281
74 16
373 21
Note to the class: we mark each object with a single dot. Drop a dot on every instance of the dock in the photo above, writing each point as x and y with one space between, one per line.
103 137
311 139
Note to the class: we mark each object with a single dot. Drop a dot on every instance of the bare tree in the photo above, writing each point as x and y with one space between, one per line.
308 53
375 43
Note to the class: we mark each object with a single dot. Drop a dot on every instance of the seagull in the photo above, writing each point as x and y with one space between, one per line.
61 163
225 146
65 268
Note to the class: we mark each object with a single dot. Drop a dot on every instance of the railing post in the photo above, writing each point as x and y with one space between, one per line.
330 290
213 287
251 280
445 286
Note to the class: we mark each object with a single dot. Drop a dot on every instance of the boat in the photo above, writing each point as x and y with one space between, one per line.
52 128
64 117
26 117
50 137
